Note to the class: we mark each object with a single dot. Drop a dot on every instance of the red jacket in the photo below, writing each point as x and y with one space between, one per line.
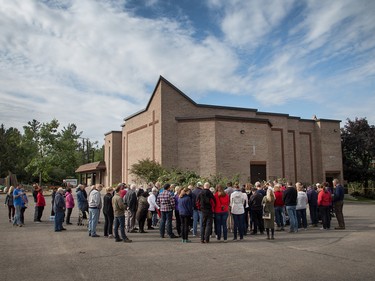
324 198
222 203
279 199
40 201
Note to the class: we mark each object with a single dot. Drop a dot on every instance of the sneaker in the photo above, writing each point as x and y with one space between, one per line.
339 228
110 236
134 231
225 241
95 235
188 241
127 240
118 240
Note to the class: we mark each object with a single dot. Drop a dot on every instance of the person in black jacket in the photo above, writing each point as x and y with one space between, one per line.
206 199
290 200
256 208
108 213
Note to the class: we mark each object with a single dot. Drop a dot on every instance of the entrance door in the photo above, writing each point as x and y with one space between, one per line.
258 172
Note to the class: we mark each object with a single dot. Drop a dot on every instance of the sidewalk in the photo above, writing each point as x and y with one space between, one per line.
36 252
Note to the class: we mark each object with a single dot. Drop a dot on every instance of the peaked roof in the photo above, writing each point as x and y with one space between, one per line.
91 167
162 79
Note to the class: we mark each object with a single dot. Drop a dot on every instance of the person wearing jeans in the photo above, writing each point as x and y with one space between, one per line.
119 217
95 204
59 209
237 202
221 212
279 207
301 206
17 202
166 202
290 200
197 214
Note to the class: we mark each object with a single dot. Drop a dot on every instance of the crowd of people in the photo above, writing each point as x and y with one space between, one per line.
244 210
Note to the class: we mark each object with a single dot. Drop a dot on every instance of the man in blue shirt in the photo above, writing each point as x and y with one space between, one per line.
17 202
338 201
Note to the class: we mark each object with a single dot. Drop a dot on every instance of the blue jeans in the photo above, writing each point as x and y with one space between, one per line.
93 220
119 222
292 218
238 225
166 219
301 218
221 225
279 216
197 216
59 218
17 216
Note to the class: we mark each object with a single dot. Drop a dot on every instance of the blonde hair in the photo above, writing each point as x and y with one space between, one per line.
183 191
276 187
109 189
270 195
299 186
10 191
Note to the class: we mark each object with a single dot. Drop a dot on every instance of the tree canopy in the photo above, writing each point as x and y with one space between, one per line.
358 145
44 152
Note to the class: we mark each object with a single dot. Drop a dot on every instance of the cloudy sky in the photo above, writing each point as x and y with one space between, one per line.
94 62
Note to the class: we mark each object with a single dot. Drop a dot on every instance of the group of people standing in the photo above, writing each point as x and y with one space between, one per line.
217 210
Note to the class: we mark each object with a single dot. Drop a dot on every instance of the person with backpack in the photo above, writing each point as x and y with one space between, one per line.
9 203
206 204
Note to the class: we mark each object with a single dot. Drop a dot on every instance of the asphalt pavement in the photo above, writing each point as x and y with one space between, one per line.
36 252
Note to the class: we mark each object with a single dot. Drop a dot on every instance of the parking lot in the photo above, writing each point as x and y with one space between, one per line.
36 252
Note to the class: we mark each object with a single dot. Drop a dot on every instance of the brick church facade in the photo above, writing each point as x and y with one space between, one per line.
177 132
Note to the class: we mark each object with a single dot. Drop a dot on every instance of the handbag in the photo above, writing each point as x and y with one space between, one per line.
266 216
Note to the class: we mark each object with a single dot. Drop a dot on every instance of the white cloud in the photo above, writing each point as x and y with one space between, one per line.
246 23
93 63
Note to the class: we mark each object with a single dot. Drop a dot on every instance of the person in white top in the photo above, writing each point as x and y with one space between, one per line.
237 204
302 201
153 208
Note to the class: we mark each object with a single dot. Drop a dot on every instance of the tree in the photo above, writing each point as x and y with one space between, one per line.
147 170
358 145
42 139
10 151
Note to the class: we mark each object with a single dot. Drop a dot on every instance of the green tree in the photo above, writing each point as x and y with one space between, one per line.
43 139
10 151
358 145
147 170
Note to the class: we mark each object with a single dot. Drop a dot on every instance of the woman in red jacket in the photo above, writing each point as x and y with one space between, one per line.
324 203
40 203
221 212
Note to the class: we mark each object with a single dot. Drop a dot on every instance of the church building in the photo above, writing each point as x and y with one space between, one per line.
176 132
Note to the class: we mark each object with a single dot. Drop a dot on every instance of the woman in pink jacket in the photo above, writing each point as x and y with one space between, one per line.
69 204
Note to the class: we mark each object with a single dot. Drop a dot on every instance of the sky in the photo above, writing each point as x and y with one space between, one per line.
95 62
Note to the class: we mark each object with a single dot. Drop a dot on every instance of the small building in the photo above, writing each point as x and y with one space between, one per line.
177 132
91 173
